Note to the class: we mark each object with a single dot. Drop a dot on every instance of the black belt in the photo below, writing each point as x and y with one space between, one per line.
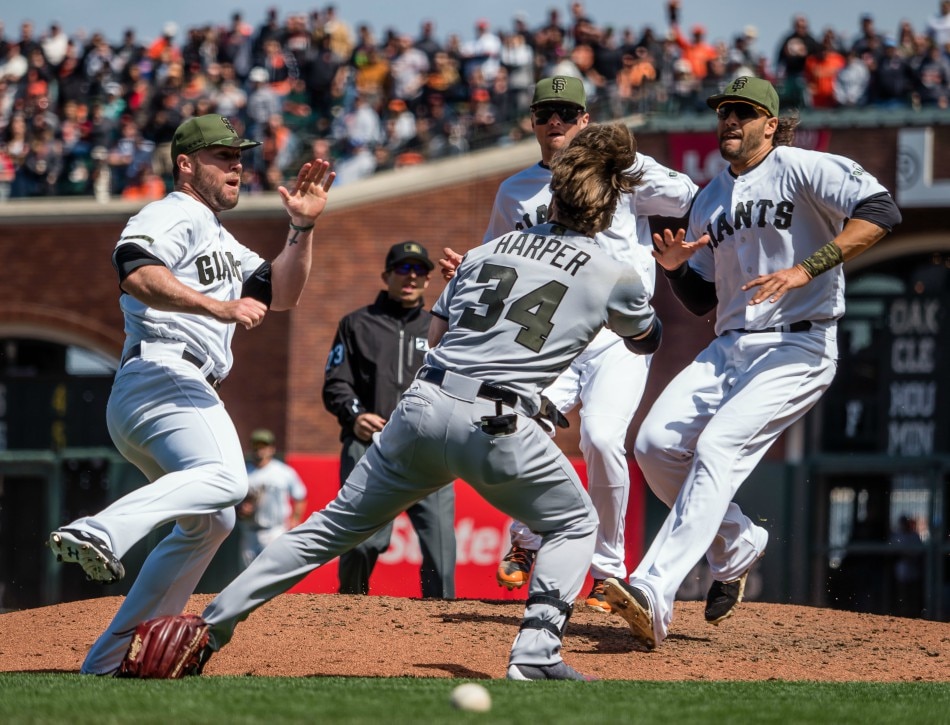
486 390
136 351
804 326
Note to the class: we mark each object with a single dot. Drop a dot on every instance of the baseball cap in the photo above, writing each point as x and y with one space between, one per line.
559 89
202 131
750 89
407 250
263 437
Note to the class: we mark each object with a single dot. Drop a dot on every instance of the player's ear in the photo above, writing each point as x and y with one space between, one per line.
185 163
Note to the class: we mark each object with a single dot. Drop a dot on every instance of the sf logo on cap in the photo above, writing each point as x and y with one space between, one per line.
739 84
558 85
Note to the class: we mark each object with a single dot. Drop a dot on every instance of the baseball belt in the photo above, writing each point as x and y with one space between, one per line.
486 390
136 351
804 326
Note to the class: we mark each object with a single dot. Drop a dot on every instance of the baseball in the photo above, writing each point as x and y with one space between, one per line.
471 697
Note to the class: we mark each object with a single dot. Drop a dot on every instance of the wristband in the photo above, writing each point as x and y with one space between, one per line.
297 231
826 258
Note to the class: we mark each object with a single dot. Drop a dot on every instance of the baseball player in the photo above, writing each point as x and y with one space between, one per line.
276 497
606 379
514 316
765 245
185 284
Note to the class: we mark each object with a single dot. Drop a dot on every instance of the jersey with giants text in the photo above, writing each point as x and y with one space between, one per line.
192 243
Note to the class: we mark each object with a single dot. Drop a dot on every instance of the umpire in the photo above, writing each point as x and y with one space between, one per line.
375 355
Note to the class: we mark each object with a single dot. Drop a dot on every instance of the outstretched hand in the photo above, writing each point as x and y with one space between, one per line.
449 263
309 197
671 250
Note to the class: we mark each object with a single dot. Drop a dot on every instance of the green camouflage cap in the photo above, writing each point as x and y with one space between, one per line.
202 131
748 89
560 89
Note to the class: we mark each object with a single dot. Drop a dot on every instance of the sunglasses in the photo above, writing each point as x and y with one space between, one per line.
406 267
743 111
567 114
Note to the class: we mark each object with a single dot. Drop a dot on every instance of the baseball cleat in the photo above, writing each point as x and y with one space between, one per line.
633 605
73 546
724 597
557 671
515 568
596 599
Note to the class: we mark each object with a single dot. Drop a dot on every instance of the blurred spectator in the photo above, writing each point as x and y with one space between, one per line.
409 69
320 70
127 55
339 33
482 54
164 49
7 172
41 167
13 65
790 63
853 81
262 103
279 147
696 51
938 27
145 186
636 79
867 40
517 57
55 44
892 81
933 79
426 42
234 47
821 69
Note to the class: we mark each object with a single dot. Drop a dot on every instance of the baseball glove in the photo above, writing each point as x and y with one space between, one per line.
167 648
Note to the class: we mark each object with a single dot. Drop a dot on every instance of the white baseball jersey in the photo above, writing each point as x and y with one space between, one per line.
275 484
191 241
539 317
523 200
771 218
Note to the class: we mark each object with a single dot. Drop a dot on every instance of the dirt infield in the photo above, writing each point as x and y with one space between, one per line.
330 634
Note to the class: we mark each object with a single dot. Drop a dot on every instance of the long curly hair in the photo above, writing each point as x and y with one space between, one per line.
588 177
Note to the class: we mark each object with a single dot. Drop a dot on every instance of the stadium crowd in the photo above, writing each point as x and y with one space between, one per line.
89 115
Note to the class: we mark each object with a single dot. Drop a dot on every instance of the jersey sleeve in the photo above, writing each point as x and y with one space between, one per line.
662 191
500 220
838 183
629 312
339 384
297 489
162 230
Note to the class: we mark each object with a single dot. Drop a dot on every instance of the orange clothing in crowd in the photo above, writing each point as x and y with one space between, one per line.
820 74
698 54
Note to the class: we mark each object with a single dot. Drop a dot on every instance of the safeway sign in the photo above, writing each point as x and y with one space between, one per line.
481 533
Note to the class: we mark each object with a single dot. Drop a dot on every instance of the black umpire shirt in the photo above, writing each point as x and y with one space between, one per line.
375 355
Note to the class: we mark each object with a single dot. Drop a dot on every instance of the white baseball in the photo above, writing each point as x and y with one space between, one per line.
471 697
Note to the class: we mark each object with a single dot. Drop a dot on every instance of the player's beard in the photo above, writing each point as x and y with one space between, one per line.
753 136
216 194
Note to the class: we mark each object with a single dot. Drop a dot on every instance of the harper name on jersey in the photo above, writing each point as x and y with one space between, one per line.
537 247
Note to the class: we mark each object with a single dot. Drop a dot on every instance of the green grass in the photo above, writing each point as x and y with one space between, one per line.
74 699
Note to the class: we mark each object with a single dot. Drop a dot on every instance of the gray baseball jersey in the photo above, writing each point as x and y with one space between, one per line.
536 316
